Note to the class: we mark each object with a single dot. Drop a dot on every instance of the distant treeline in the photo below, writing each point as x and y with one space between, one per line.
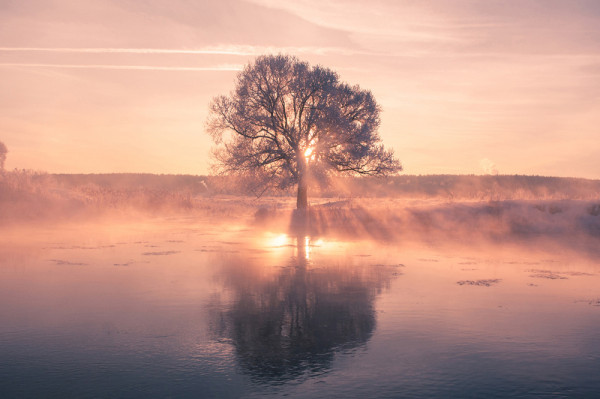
487 187
27 195
31 195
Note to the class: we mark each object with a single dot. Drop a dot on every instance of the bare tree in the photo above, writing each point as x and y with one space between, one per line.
288 123
3 151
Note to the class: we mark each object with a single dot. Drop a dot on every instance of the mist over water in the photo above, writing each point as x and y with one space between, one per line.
225 296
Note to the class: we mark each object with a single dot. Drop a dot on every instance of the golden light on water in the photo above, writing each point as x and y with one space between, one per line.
303 245
307 248
277 240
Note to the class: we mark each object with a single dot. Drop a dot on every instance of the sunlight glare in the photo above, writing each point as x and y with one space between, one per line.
279 240
307 247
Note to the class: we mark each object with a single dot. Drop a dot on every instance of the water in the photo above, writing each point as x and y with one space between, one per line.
184 308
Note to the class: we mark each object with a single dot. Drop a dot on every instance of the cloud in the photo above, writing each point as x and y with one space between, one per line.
227 67
458 26
239 50
488 167
375 19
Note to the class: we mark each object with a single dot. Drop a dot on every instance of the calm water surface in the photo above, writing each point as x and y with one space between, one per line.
181 308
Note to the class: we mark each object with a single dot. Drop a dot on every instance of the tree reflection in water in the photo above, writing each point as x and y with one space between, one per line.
294 322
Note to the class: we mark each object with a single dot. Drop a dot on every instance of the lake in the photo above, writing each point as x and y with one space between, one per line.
185 307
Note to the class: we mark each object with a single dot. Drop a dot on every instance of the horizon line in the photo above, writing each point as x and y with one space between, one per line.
375 177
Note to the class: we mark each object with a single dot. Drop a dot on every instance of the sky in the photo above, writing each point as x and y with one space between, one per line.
465 86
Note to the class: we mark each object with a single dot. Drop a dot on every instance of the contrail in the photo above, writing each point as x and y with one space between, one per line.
130 67
224 51
238 50
247 50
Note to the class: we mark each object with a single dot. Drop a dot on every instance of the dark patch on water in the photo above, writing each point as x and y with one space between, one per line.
555 275
549 276
83 247
480 283
539 271
67 263
577 274
591 302
161 253
594 210
212 248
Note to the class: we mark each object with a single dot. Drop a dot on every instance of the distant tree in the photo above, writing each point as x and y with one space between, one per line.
289 123
3 151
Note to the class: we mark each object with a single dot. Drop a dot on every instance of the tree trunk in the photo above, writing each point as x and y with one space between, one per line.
302 201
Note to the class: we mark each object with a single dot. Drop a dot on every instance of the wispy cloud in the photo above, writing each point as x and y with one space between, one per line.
381 19
230 50
250 51
226 67
488 167
236 50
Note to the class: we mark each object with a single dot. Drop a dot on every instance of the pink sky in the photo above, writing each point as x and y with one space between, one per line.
466 86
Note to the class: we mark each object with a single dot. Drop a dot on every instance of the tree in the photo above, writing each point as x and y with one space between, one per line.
3 151
289 123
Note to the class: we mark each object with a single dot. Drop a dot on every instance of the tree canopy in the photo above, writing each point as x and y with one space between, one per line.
289 123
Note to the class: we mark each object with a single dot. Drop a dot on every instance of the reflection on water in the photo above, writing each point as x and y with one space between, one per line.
177 308
294 321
